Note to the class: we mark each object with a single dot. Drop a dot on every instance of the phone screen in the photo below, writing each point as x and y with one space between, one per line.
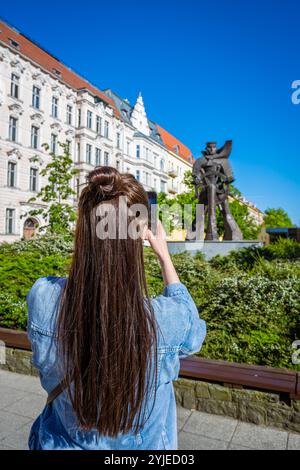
152 216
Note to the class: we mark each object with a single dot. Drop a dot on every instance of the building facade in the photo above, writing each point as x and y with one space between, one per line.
43 101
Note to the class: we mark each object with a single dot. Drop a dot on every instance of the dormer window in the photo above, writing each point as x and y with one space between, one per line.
57 73
176 148
14 43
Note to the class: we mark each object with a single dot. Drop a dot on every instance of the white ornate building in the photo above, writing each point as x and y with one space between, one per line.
43 101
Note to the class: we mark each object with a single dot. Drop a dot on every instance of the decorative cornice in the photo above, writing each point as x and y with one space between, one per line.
17 64
70 132
36 159
56 126
4 56
39 78
16 108
37 118
57 90
71 97
14 154
100 106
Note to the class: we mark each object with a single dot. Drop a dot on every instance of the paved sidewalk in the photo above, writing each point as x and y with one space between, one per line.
22 398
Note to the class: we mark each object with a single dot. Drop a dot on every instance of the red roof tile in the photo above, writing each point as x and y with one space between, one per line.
175 145
48 62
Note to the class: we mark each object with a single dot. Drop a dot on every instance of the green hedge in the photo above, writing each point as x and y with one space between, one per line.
250 299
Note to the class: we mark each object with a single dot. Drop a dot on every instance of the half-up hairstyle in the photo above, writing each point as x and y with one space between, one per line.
106 325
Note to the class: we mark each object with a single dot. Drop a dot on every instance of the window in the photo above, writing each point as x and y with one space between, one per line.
128 147
162 165
57 72
118 165
36 97
106 158
69 147
14 43
33 179
78 151
77 187
13 128
11 174
53 143
89 120
54 112
10 221
98 157
147 153
162 186
106 129
147 178
79 118
14 85
98 125
69 114
138 151
34 137
88 154
118 140
138 176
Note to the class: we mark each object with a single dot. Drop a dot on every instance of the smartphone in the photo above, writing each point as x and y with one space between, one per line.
152 215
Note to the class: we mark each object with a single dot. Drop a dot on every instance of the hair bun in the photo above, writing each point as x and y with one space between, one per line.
105 179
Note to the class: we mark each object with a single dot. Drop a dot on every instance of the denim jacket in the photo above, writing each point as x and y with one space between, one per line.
181 333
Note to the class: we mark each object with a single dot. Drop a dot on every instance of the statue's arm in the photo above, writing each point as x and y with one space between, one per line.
225 151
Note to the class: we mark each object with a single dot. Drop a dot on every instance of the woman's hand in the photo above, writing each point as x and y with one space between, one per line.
159 245
158 241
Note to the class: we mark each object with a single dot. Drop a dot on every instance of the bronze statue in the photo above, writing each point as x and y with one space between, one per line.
212 176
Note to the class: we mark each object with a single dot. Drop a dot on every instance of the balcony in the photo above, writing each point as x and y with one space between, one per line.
172 188
172 173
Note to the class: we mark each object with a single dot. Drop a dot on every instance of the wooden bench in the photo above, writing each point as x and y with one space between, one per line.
228 373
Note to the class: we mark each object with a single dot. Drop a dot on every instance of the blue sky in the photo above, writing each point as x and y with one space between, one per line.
208 70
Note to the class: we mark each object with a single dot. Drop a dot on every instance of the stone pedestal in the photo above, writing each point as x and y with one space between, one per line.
210 248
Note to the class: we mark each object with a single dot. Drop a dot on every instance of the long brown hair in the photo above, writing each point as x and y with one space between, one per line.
106 326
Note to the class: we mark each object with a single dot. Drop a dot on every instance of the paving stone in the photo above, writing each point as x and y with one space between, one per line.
22 399
5 447
9 395
211 426
259 437
182 416
10 422
18 439
294 441
189 441
31 406
238 447
26 383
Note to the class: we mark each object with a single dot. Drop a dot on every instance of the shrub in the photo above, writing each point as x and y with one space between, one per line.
250 299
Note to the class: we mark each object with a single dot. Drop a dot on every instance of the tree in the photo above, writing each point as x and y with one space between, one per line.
277 218
250 229
59 213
